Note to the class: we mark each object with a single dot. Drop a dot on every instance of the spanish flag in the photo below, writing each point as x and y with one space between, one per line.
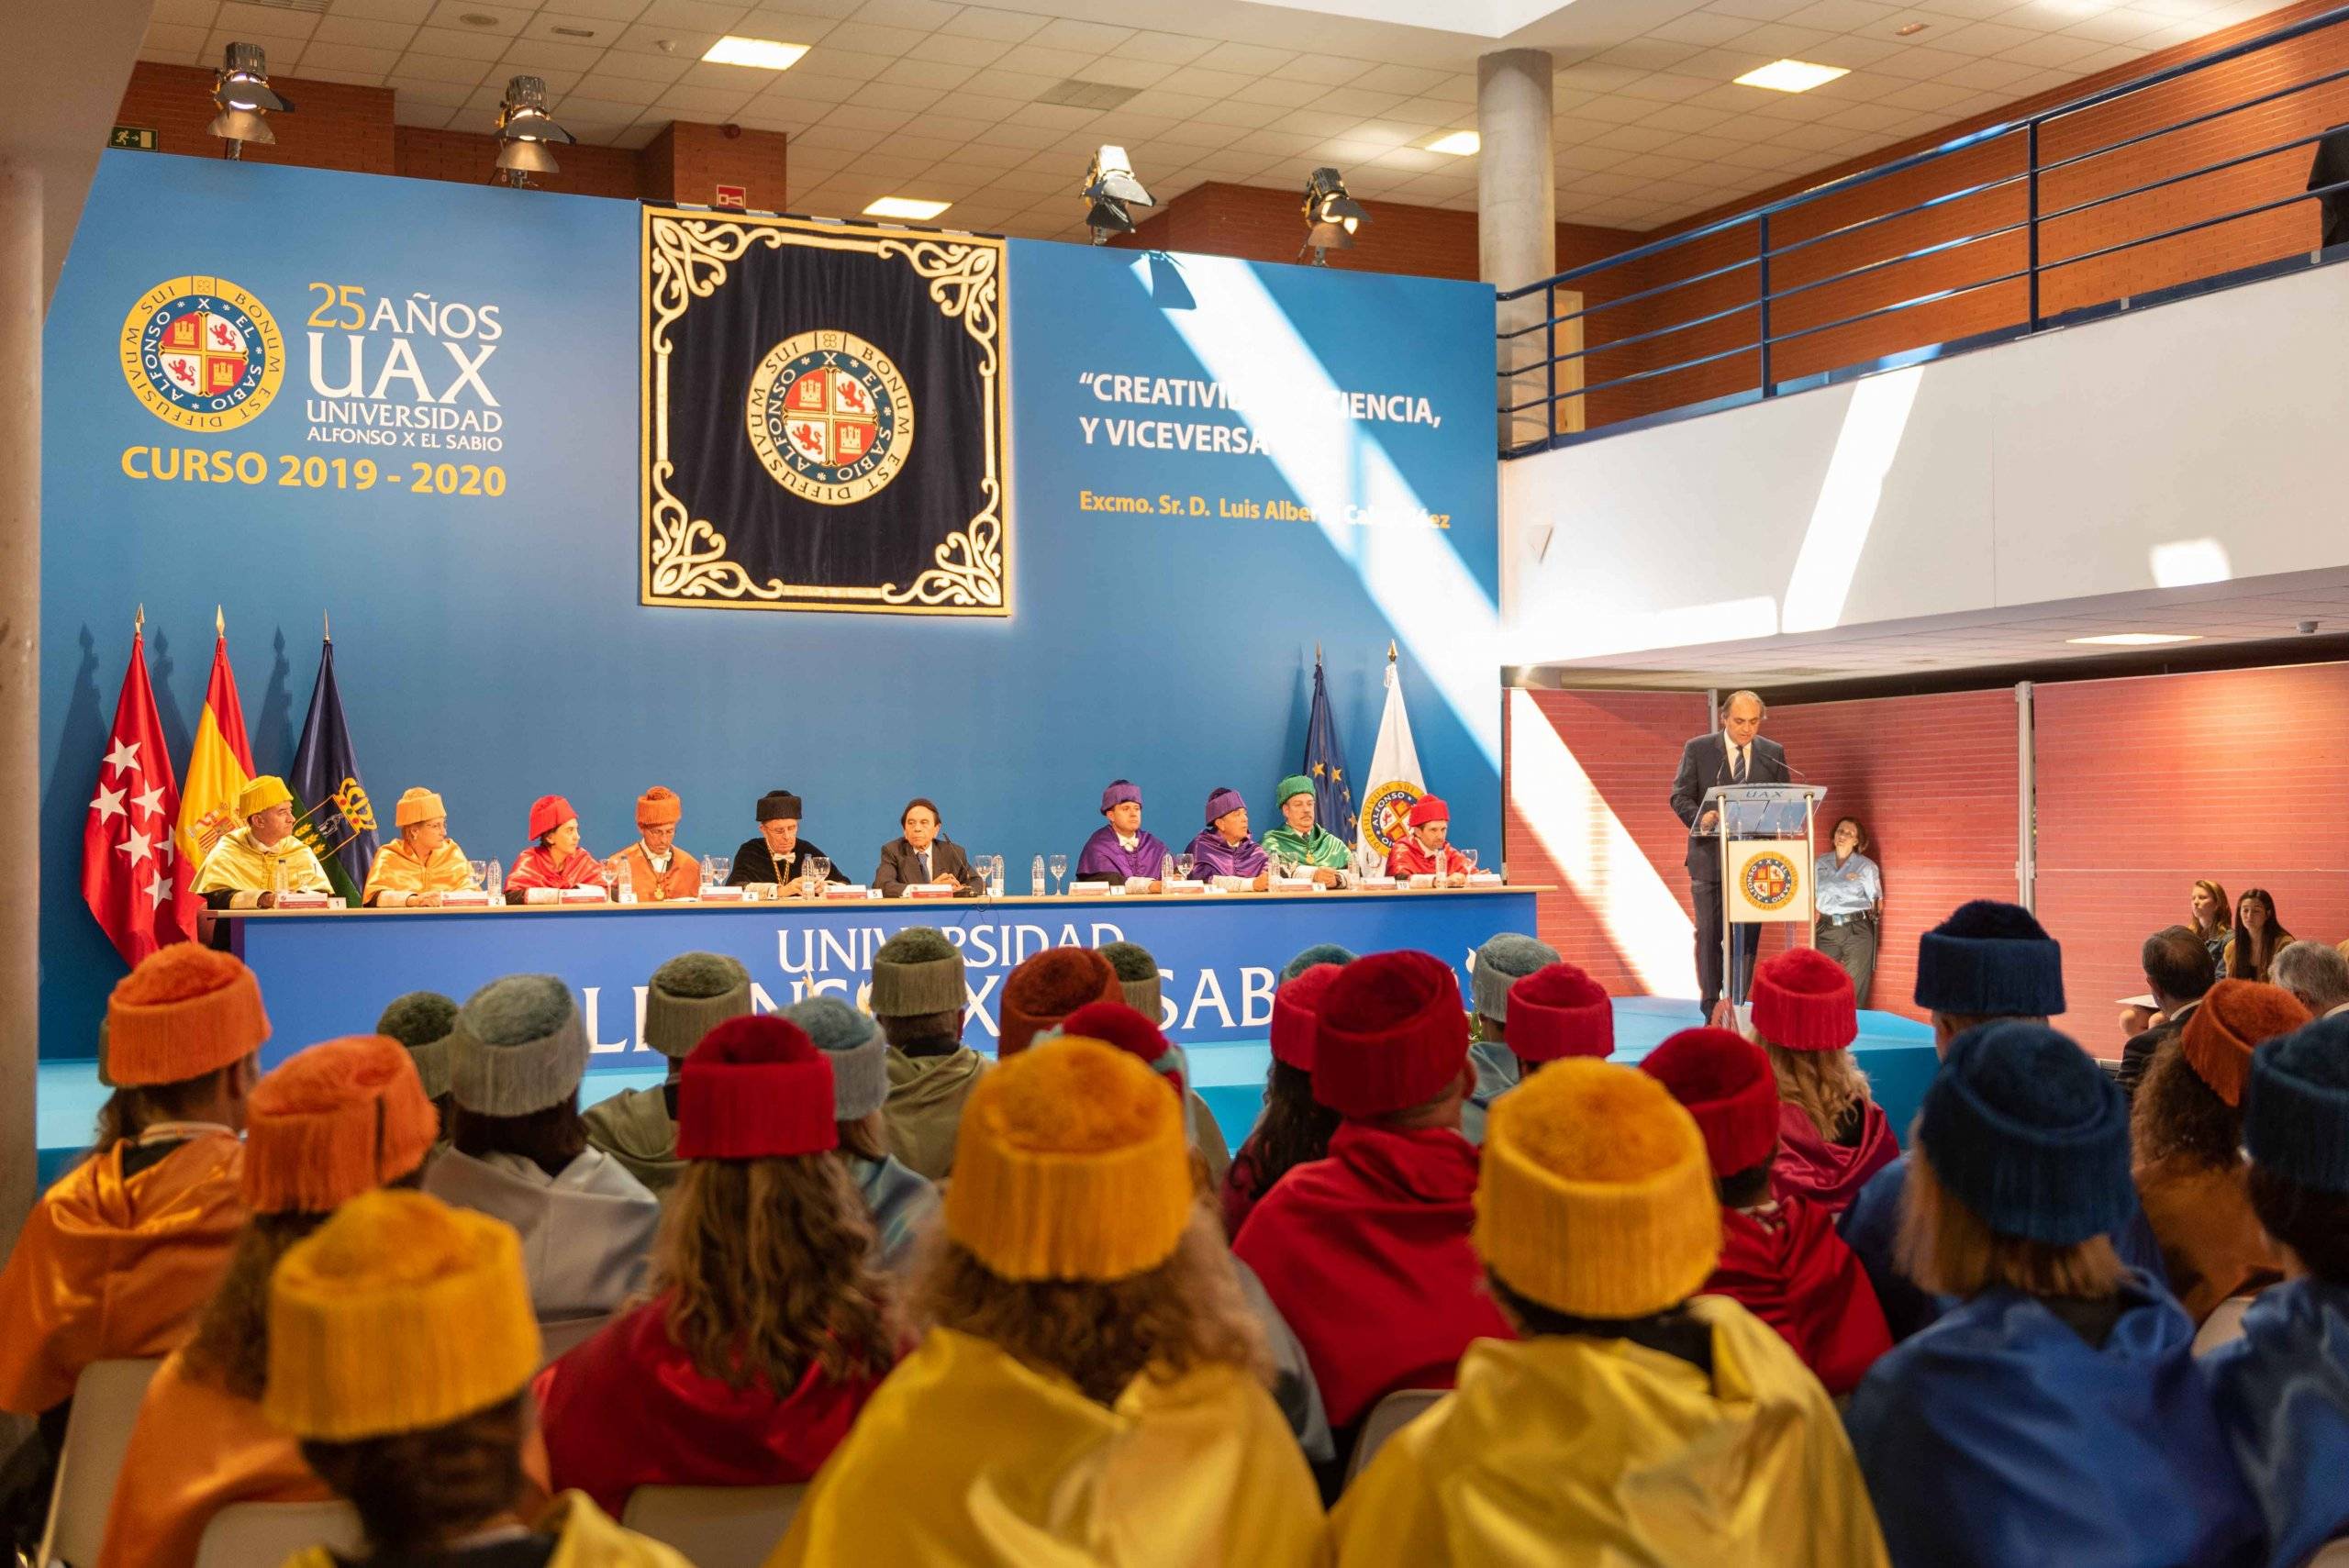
219 768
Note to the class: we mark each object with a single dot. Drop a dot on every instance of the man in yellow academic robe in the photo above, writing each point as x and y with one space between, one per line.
414 869
243 869
1630 1423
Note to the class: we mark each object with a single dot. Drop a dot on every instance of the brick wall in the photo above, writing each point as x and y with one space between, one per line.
2146 785
340 126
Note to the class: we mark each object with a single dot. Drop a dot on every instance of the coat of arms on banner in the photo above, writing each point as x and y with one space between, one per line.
823 418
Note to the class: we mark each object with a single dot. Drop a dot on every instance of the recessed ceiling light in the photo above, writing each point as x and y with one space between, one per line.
2135 639
1459 144
477 19
910 208
1912 31
1790 75
766 54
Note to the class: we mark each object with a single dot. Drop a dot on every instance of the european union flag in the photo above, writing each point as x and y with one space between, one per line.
337 820
1325 763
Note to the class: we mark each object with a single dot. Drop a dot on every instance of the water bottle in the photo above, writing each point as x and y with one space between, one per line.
1036 877
1165 868
494 883
994 876
276 880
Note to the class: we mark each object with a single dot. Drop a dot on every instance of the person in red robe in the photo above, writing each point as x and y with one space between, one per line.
1781 1258
554 858
769 1327
1294 1127
1367 1251
1833 1136
1427 851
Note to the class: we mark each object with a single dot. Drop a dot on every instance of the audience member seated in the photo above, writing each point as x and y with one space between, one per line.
556 858
770 1328
2283 1388
2317 974
1091 1388
400 1347
1556 1012
1047 986
1781 1258
2055 1415
1224 852
421 1021
1504 959
2185 1133
1115 1023
1365 1252
1633 1420
2258 937
1294 1128
117 1258
2177 976
1120 850
334 1121
520 1153
689 996
1833 1136
898 1199
919 997
2211 919
422 864
1137 970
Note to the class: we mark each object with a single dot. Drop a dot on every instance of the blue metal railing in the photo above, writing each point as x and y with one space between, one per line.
1532 424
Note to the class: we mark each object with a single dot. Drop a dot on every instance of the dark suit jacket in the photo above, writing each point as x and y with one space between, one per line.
753 866
899 868
1704 764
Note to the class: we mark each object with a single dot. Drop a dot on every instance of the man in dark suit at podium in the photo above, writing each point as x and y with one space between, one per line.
1733 754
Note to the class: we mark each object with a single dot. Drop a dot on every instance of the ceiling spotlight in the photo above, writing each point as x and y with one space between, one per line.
1331 216
242 92
526 132
1110 189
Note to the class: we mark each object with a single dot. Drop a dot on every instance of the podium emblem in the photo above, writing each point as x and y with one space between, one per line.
1769 883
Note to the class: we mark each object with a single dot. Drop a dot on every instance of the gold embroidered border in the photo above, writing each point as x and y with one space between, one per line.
684 557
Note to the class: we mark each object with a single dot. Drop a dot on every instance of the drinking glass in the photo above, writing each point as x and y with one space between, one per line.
610 874
1059 866
476 870
1183 864
1468 860
819 872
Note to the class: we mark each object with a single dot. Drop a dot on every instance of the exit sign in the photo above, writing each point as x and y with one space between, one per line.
735 196
133 138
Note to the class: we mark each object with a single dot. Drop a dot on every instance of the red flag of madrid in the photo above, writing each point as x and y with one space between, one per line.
127 850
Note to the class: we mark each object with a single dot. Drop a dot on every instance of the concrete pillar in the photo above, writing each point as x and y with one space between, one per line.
1517 218
20 314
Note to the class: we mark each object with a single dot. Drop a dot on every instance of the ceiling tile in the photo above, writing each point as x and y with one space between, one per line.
439 68
698 15
1086 38
460 43
266 20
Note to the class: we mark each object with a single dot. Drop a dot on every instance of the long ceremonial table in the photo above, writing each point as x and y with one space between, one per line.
329 972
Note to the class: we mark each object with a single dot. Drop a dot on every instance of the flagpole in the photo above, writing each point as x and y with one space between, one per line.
329 621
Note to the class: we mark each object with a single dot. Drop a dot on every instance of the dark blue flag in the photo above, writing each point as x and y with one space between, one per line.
335 817
1325 765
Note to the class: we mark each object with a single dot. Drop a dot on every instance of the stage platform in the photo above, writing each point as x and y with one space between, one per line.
1897 1054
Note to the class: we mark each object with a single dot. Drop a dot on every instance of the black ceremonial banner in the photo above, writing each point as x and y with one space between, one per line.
823 418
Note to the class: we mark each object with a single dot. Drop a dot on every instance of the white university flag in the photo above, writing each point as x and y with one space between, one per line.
1395 785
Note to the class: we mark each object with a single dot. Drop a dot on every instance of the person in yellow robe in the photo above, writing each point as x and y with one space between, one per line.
331 1122
118 1256
1630 1423
401 1347
656 869
1094 1389
242 871
414 869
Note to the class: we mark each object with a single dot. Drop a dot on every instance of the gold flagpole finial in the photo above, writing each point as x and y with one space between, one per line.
1390 651
329 624
138 623
220 622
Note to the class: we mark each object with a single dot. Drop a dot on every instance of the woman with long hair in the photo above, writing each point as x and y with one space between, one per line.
1092 1388
769 1327
332 1122
2210 917
2055 1414
1294 1127
401 1346
1833 1135
2258 937
2185 1143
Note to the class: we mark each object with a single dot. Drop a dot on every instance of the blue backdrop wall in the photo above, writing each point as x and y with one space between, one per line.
491 646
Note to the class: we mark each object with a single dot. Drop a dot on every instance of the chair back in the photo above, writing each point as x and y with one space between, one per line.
1386 1418
715 1527
558 1335
105 1407
258 1535
2225 1323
